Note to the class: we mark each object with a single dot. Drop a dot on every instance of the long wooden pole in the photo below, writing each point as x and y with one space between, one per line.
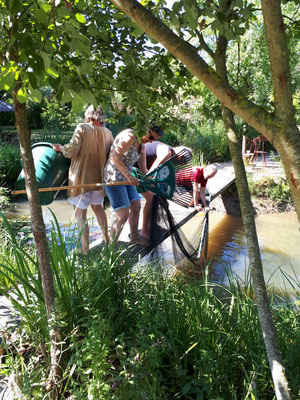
87 185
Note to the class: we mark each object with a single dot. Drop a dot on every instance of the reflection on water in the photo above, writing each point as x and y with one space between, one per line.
278 236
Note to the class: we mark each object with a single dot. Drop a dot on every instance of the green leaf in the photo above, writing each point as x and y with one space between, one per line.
7 81
46 7
194 12
88 96
80 18
63 12
22 95
138 31
80 4
77 104
15 6
36 95
229 35
66 96
11 42
176 7
32 80
186 388
85 67
49 47
46 59
40 14
221 17
52 72
83 45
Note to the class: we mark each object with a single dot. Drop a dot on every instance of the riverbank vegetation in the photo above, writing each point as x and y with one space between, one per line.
137 334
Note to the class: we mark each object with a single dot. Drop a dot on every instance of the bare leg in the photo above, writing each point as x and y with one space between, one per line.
102 220
117 226
148 196
134 213
83 228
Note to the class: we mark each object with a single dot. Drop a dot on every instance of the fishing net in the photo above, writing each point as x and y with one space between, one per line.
191 247
173 180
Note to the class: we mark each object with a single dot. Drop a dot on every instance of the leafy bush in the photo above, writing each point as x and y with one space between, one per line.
208 142
10 166
4 198
277 189
57 117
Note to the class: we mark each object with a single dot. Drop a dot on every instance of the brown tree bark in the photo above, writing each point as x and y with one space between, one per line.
277 128
37 221
40 238
36 215
256 270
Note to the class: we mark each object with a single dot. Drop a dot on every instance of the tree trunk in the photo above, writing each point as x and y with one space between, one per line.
286 140
281 131
255 264
265 316
40 239
37 221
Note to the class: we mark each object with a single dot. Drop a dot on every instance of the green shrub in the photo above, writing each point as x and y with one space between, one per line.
57 117
10 166
208 142
277 189
4 198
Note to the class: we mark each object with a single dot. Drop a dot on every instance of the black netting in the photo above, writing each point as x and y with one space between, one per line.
163 226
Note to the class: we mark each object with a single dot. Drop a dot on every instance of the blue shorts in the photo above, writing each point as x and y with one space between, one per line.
121 196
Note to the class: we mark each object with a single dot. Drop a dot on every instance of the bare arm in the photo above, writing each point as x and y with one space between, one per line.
163 153
71 149
195 194
127 141
142 162
202 196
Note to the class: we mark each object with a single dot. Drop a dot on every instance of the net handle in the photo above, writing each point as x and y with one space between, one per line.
144 181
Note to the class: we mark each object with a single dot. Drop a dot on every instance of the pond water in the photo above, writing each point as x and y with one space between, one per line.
278 236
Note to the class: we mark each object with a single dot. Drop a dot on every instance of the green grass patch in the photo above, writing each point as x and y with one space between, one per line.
135 334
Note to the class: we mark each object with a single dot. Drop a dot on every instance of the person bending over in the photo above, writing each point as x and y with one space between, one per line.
156 154
192 179
125 152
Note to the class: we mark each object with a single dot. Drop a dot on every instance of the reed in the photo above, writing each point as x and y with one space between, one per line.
137 334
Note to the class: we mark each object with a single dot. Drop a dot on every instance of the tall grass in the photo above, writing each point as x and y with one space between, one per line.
138 335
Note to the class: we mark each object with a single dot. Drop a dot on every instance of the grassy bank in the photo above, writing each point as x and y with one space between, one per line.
128 335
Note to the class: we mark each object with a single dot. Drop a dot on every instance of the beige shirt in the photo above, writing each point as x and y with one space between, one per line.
88 150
